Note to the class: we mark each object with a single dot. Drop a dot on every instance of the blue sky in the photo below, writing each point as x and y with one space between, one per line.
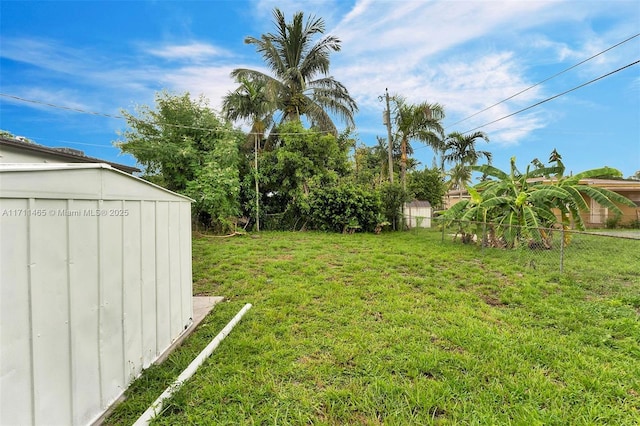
104 56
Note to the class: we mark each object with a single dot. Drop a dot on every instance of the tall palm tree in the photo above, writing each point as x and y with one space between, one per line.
300 70
251 101
461 149
416 121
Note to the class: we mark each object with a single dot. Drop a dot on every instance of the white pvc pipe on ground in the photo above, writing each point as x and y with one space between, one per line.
156 407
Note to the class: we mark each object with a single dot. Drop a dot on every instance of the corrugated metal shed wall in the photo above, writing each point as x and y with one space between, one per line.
87 299
417 214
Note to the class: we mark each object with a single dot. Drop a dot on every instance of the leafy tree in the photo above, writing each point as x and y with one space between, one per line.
185 147
416 122
300 160
392 197
428 185
371 163
300 70
524 205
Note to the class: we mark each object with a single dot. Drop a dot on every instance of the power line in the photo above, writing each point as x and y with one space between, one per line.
544 81
121 117
82 111
555 96
550 98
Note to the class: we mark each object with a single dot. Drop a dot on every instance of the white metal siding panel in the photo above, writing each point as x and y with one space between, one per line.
78 184
175 292
163 324
50 315
148 276
418 216
185 261
84 277
132 297
15 321
122 186
94 298
111 347
88 183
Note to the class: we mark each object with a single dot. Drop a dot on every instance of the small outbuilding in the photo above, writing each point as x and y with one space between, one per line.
417 214
96 284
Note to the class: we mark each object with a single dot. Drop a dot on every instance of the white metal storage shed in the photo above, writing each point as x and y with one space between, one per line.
417 214
95 274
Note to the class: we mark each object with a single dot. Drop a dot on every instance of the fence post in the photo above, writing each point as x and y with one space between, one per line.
484 236
561 250
442 225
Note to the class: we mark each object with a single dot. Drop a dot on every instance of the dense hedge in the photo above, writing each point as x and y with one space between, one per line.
344 207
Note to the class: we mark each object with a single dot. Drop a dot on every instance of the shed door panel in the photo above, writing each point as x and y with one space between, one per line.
15 344
111 335
50 313
84 277
132 297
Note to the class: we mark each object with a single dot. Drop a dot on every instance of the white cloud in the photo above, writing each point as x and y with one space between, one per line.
465 55
194 51
42 53
213 82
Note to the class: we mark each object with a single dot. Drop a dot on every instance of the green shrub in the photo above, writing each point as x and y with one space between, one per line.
392 197
612 222
633 224
343 207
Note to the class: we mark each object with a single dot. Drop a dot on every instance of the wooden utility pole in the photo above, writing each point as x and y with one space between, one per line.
255 160
387 120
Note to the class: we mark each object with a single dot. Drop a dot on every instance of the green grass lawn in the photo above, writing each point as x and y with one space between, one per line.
403 329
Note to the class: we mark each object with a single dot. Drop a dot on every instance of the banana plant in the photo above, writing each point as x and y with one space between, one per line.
521 207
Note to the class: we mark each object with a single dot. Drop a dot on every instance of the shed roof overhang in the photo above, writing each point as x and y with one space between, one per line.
78 181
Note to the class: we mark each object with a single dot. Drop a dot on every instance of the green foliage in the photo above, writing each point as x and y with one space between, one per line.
254 102
9 135
633 224
300 160
392 197
215 188
461 149
185 147
300 84
522 203
344 206
613 222
428 185
420 122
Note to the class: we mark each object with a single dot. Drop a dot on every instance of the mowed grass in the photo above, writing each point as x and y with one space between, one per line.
401 329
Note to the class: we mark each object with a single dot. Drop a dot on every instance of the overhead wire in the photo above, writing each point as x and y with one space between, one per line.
554 96
122 117
225 130
548 99
545 80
